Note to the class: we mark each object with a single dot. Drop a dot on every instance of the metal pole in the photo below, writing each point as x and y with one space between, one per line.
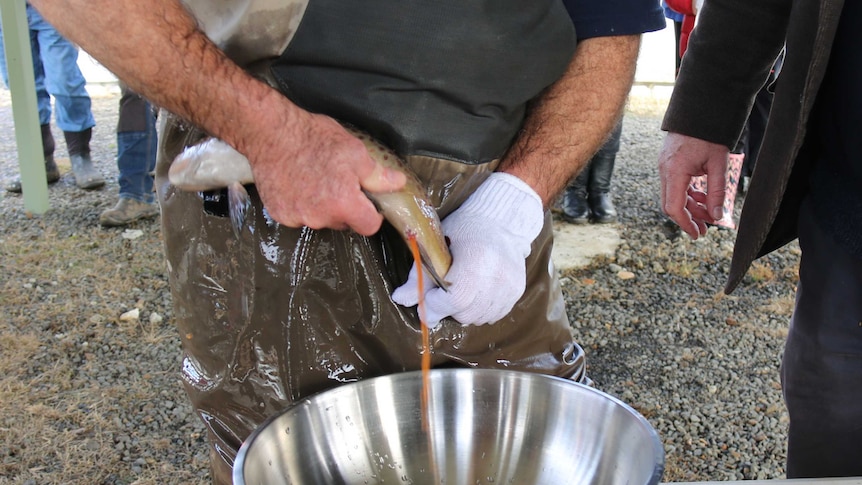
22 84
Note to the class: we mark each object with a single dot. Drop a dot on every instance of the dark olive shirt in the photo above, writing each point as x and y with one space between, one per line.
443 78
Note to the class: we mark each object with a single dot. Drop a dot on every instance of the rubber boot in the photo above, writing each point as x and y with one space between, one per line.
734 169
52 173
601 172
574 204
86 175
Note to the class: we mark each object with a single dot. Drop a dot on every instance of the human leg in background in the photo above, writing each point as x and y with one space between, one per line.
756 124
136 160
587 198
599 183
733 176
677 32
734 168
822 365
43 103
65 82
574 204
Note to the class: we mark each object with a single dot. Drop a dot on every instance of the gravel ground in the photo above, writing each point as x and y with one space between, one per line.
700 365
659 334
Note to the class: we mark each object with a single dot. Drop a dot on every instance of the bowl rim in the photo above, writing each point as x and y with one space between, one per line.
657 451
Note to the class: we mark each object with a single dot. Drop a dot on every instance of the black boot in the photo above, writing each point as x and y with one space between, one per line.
574 205
602 208
86 175
52 173
601 171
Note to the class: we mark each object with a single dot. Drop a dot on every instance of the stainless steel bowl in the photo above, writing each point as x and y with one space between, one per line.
484 426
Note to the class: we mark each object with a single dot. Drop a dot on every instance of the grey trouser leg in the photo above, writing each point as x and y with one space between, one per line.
822 367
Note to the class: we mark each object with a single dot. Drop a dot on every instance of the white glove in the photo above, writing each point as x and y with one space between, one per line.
490 238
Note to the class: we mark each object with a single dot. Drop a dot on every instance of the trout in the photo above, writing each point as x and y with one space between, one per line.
213 164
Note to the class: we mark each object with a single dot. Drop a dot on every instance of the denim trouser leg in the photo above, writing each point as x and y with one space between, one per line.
43 99
136 148
822 367
63 79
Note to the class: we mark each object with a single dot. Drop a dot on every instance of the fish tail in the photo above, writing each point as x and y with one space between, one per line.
238 205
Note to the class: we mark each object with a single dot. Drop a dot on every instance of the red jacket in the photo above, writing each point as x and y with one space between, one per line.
684 7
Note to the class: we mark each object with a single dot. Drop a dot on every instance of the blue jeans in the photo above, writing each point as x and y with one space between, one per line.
55 67
136 147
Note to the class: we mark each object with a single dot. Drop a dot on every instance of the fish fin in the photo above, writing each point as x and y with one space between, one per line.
238 204
426 263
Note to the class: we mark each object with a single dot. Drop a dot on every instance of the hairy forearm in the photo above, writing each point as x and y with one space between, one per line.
158 50
570 122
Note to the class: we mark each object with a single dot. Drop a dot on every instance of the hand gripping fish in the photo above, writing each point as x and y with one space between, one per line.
213 164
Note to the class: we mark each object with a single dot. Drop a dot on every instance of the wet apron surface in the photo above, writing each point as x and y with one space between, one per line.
280 313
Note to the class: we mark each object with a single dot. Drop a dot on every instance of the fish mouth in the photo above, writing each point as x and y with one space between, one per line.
426 263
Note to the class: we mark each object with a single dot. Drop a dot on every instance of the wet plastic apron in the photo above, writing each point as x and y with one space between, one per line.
280 313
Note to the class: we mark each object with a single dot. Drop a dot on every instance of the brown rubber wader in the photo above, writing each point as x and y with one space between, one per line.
277 313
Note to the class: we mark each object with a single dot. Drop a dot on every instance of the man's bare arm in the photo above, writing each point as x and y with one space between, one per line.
572 119
309 171
157 48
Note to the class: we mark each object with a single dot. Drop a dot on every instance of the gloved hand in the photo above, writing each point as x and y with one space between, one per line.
490 238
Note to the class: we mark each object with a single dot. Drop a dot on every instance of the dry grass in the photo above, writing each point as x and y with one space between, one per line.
61 419
761 272
685 268
780 306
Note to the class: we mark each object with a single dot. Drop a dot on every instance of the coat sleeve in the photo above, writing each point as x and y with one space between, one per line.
728 60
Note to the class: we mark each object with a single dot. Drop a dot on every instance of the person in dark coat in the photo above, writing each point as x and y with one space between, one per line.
805 185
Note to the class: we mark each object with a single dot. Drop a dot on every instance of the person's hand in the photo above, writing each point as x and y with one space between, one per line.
490 238
314 175
681 158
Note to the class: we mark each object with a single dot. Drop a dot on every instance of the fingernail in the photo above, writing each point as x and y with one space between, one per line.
716 213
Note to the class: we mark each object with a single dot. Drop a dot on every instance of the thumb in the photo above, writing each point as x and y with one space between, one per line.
716 185
408 293
383 179
437 306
